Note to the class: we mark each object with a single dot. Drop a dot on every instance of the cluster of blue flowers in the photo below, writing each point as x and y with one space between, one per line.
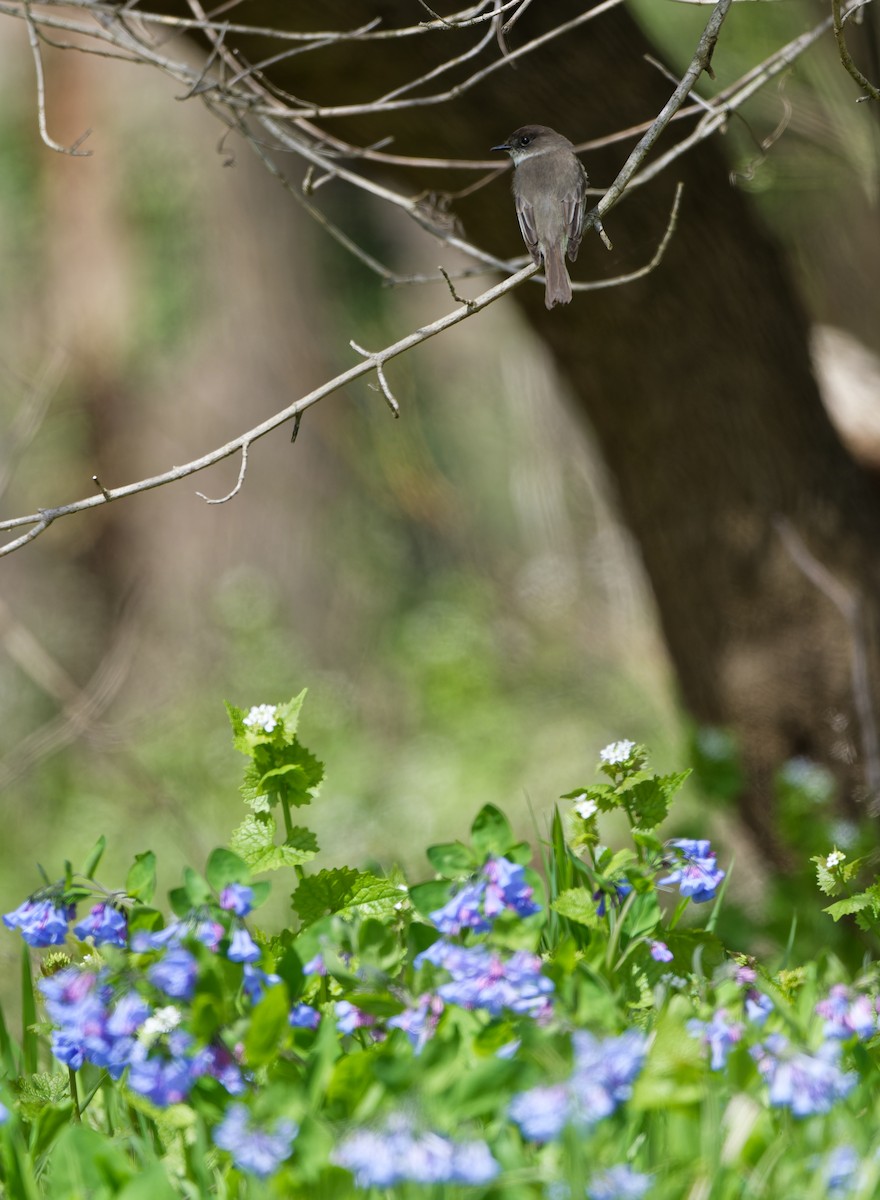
117 1028
602 1078
500 886
399 1154
696 870
805 1081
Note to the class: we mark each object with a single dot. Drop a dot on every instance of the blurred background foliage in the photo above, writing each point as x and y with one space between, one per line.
453 587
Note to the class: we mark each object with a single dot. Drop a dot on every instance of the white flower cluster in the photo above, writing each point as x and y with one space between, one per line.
262 716
617 752
834 859
585 808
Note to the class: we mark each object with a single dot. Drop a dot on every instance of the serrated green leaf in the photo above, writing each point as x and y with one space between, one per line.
452 859
283 771
850 905
345 892
289 713
140 883
254 840
224 867
491 833
268 1027
577 904
648 803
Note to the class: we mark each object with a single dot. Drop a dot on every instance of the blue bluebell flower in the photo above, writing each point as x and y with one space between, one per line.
719 1034
104 925
696 871
399 1154
847 1013
41 922
256 1148
303 1016
175 973
602 1078
660 952
242 947
500 887
237 898
349 1017
419 1021
620 1182
805 1083
483 979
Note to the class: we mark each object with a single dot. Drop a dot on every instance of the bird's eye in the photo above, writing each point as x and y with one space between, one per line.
524 140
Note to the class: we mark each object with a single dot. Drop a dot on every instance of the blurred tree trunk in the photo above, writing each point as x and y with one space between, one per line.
696 381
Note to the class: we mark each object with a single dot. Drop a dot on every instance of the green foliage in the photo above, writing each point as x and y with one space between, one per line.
451 1015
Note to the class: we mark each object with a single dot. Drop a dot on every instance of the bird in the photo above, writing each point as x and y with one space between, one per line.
550 191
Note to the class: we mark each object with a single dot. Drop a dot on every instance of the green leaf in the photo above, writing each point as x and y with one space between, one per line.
95 857
150 1183
197 890
268 1027
140 883
577 904
428 897
254 840
852 904
491 833
346 892
224 867
289 713
649 798
644 915
282 771
452 859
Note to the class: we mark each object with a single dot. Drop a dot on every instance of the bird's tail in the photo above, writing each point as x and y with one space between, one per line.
558 286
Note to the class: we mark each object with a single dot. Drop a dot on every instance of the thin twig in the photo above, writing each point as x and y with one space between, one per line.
871 92
229 495
34 39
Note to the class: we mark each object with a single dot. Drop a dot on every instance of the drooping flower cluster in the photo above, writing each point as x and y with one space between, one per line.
257 1148
482 978
602 1078
848 1014
695 871
95 1023
399 1154
41 922
500 886
719 1034
805 1083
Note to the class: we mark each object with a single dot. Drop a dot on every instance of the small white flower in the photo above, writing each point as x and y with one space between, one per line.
617 752
585 808
262 716
162 1021
834 859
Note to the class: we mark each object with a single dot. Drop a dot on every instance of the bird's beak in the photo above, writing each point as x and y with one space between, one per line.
503 147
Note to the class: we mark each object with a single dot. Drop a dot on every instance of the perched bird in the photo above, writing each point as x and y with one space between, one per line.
550 191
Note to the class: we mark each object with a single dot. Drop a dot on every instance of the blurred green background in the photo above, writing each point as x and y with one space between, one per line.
453 588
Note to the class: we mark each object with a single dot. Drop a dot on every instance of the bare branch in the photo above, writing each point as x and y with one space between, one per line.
41 520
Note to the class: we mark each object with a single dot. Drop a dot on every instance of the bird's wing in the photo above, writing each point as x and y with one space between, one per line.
573 207
525 214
